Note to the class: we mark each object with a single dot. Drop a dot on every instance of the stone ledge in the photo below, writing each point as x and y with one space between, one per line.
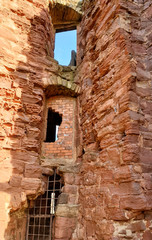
69 168
63 165
50 163
66 210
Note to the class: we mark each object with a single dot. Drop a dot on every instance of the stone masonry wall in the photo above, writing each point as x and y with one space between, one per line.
114 69
29 75
27 43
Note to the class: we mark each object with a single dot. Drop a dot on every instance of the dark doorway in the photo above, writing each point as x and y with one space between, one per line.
54 120
41 215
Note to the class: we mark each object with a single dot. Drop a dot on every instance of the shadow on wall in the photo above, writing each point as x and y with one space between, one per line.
24 107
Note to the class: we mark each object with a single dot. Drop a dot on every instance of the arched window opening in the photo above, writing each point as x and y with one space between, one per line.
65 48
40 222
54 120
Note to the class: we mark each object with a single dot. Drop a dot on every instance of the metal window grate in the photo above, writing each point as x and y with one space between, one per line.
40 221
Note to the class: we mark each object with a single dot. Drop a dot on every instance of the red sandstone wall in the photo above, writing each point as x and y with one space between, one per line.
26 42
114 58
64 148
141 49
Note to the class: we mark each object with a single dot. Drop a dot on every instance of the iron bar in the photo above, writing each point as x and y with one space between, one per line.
41 217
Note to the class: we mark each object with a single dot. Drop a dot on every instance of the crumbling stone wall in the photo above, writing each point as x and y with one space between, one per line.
27 70
27 42
114 69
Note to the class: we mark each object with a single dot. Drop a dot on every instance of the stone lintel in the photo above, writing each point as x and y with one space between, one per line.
62 83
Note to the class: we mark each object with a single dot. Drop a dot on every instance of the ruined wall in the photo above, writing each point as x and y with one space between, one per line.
62 150
29 76
27 43
114 69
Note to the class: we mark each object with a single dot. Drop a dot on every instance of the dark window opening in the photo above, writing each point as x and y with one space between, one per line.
40 222
54 120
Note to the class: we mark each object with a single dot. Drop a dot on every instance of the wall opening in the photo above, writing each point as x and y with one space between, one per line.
41 212
54 120
65 47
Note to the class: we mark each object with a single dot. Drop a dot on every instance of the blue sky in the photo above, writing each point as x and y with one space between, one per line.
64 43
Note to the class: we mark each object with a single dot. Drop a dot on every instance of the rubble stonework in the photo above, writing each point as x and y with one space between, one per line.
107 171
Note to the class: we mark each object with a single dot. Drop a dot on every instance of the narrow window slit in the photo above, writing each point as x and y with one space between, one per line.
54 120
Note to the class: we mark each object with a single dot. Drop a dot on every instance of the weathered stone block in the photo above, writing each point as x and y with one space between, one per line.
63 198
67 210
